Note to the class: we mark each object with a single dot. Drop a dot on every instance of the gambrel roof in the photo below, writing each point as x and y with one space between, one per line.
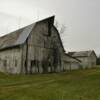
19 36
15 38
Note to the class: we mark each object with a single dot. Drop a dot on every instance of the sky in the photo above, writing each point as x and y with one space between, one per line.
81 18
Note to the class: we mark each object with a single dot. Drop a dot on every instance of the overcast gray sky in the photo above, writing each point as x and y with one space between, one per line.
81 17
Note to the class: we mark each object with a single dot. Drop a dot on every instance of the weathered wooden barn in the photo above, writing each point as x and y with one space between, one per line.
88 58
36 48
71 63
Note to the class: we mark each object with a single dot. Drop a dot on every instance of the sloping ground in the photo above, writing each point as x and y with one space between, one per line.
75 85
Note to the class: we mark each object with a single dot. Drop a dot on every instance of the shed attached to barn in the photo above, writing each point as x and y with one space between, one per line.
88 58
71 63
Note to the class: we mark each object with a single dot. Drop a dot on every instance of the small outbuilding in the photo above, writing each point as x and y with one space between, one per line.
88 58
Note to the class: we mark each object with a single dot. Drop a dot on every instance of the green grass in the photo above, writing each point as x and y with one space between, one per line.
75 85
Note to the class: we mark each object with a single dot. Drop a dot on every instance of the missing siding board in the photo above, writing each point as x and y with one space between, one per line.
5 63
49 27
26 70
15 63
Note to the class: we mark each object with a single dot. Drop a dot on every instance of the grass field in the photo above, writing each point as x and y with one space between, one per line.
75 85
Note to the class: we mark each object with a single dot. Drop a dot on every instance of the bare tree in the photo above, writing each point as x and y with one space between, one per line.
61 28
56 24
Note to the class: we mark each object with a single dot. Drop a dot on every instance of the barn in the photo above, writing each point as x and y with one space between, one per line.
36 48
88 58
71 63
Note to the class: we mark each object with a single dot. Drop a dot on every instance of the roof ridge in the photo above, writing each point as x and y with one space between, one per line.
27 26
20 35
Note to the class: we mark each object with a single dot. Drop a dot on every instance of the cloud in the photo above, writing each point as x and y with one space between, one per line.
82 18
